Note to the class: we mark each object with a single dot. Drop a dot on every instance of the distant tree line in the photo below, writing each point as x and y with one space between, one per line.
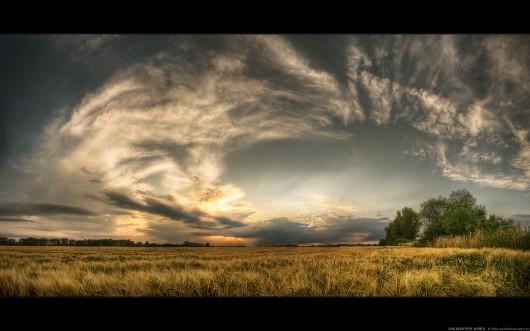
91 242
319 245
457 214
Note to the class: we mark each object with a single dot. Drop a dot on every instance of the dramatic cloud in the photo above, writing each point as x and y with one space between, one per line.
236 137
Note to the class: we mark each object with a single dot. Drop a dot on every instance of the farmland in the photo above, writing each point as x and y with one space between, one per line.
262 271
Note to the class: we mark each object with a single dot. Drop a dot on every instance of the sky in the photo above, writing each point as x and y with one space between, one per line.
256 139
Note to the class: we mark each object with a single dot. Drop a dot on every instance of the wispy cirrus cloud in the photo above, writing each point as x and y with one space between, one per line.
470 115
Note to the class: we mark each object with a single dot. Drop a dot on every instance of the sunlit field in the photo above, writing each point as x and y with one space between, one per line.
270 271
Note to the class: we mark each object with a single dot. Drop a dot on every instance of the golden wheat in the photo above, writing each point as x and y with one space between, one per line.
518 238
301 271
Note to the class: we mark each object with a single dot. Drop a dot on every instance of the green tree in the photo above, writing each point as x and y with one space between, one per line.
494 222
432 212
404 227
457 214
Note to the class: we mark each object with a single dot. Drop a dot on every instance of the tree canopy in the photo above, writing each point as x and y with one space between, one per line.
457 214
404 227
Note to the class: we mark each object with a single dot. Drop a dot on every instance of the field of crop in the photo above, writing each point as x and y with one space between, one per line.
270 271
518 238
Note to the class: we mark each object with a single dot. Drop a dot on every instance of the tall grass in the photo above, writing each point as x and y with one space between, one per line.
517 237
264 271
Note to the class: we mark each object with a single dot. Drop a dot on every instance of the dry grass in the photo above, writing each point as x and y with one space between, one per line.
310 271
518 238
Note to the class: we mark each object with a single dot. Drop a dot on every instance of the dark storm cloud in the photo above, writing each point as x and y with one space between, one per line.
193 217
334 229
523 219
228 222
172 232
42 209
123 201
12 219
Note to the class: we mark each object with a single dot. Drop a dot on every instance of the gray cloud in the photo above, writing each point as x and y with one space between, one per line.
523 219
327 229
332 229
16 220
37 209
192 217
